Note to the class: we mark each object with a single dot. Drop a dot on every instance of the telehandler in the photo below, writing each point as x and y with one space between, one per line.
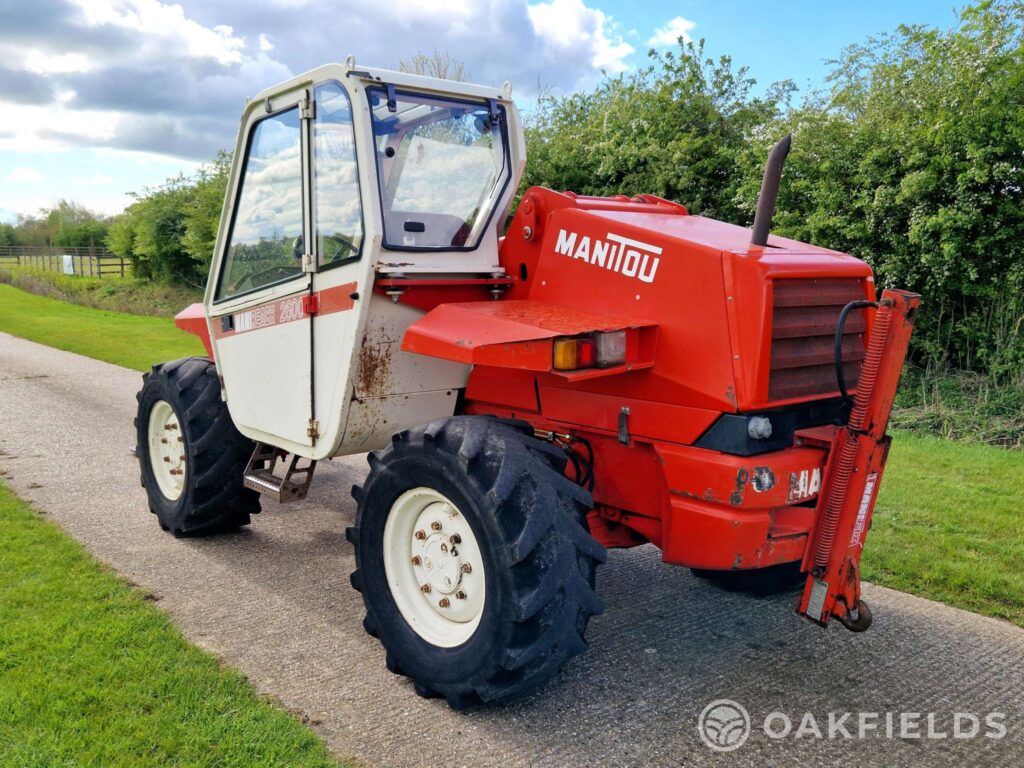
595 372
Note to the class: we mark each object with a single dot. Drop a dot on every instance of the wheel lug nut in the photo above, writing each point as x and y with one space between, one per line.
467 568
461 595
416 560
435 526
421 535
425 588
167 459
443 602
455 539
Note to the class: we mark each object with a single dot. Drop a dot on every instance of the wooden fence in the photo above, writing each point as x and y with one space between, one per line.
87 262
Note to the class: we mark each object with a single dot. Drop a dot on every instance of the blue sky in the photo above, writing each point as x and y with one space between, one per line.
99 98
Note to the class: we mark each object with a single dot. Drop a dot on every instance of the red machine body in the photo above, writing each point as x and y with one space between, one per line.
718 332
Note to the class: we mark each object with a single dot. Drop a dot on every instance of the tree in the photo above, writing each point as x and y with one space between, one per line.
913 161
8 235
439 64
169 232
675 129
202 215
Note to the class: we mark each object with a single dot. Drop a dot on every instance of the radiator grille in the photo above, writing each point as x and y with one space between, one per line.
804 317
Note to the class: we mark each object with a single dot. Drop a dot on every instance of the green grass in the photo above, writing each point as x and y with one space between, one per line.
119 338
949 525
139 297
91 673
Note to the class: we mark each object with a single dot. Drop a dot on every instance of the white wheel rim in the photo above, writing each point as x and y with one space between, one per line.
167 450
434 567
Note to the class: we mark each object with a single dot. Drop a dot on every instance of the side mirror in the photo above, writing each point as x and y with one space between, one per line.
298 251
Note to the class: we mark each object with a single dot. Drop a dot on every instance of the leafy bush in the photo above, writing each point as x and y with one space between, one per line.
169 232
676 129
962 406
139 297
911 161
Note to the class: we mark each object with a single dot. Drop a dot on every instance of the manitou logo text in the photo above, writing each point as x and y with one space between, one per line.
804 484
616 254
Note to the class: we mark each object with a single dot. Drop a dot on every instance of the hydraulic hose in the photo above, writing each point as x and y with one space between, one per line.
840 326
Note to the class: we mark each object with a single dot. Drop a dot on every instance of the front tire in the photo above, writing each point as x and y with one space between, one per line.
473 559
191 456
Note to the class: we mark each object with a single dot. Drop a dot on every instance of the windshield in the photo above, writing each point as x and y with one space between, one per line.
442 165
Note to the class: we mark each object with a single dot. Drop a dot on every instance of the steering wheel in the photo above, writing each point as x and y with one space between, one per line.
279 271
346 244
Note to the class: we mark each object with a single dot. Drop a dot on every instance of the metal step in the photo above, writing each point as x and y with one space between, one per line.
260 476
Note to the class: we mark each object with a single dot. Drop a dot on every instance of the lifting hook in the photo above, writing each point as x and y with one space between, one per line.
861 621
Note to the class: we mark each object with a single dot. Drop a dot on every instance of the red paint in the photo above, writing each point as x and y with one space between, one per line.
518 334
310 304
717 326
192 320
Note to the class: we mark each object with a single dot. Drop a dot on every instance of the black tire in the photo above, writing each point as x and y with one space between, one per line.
213 498
773 580
530 522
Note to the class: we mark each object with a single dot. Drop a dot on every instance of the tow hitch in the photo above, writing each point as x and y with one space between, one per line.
854 472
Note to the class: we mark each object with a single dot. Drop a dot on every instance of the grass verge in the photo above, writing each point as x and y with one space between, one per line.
93 674
139 297
123 339
962 406
949 525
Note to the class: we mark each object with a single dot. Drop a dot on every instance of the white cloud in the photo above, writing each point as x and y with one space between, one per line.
43 63
26 175
165 27
569 24
162 83
97 179
669 33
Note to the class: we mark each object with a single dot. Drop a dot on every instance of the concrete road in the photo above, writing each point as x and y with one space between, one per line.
274 601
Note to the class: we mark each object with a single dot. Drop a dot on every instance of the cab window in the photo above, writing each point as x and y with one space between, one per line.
338 212
266 234
442 164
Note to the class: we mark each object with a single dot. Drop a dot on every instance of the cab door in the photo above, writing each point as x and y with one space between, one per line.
260 327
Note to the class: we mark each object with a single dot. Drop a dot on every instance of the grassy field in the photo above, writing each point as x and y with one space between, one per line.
949 524
128 340
91 673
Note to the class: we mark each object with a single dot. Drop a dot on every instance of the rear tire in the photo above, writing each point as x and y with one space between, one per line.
523 538
773 580
190 455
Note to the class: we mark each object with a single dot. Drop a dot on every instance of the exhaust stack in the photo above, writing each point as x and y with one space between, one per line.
769 190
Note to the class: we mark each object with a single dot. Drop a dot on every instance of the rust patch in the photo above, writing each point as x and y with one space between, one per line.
742 477
708 495
730 394
686 494
374 374
763 480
